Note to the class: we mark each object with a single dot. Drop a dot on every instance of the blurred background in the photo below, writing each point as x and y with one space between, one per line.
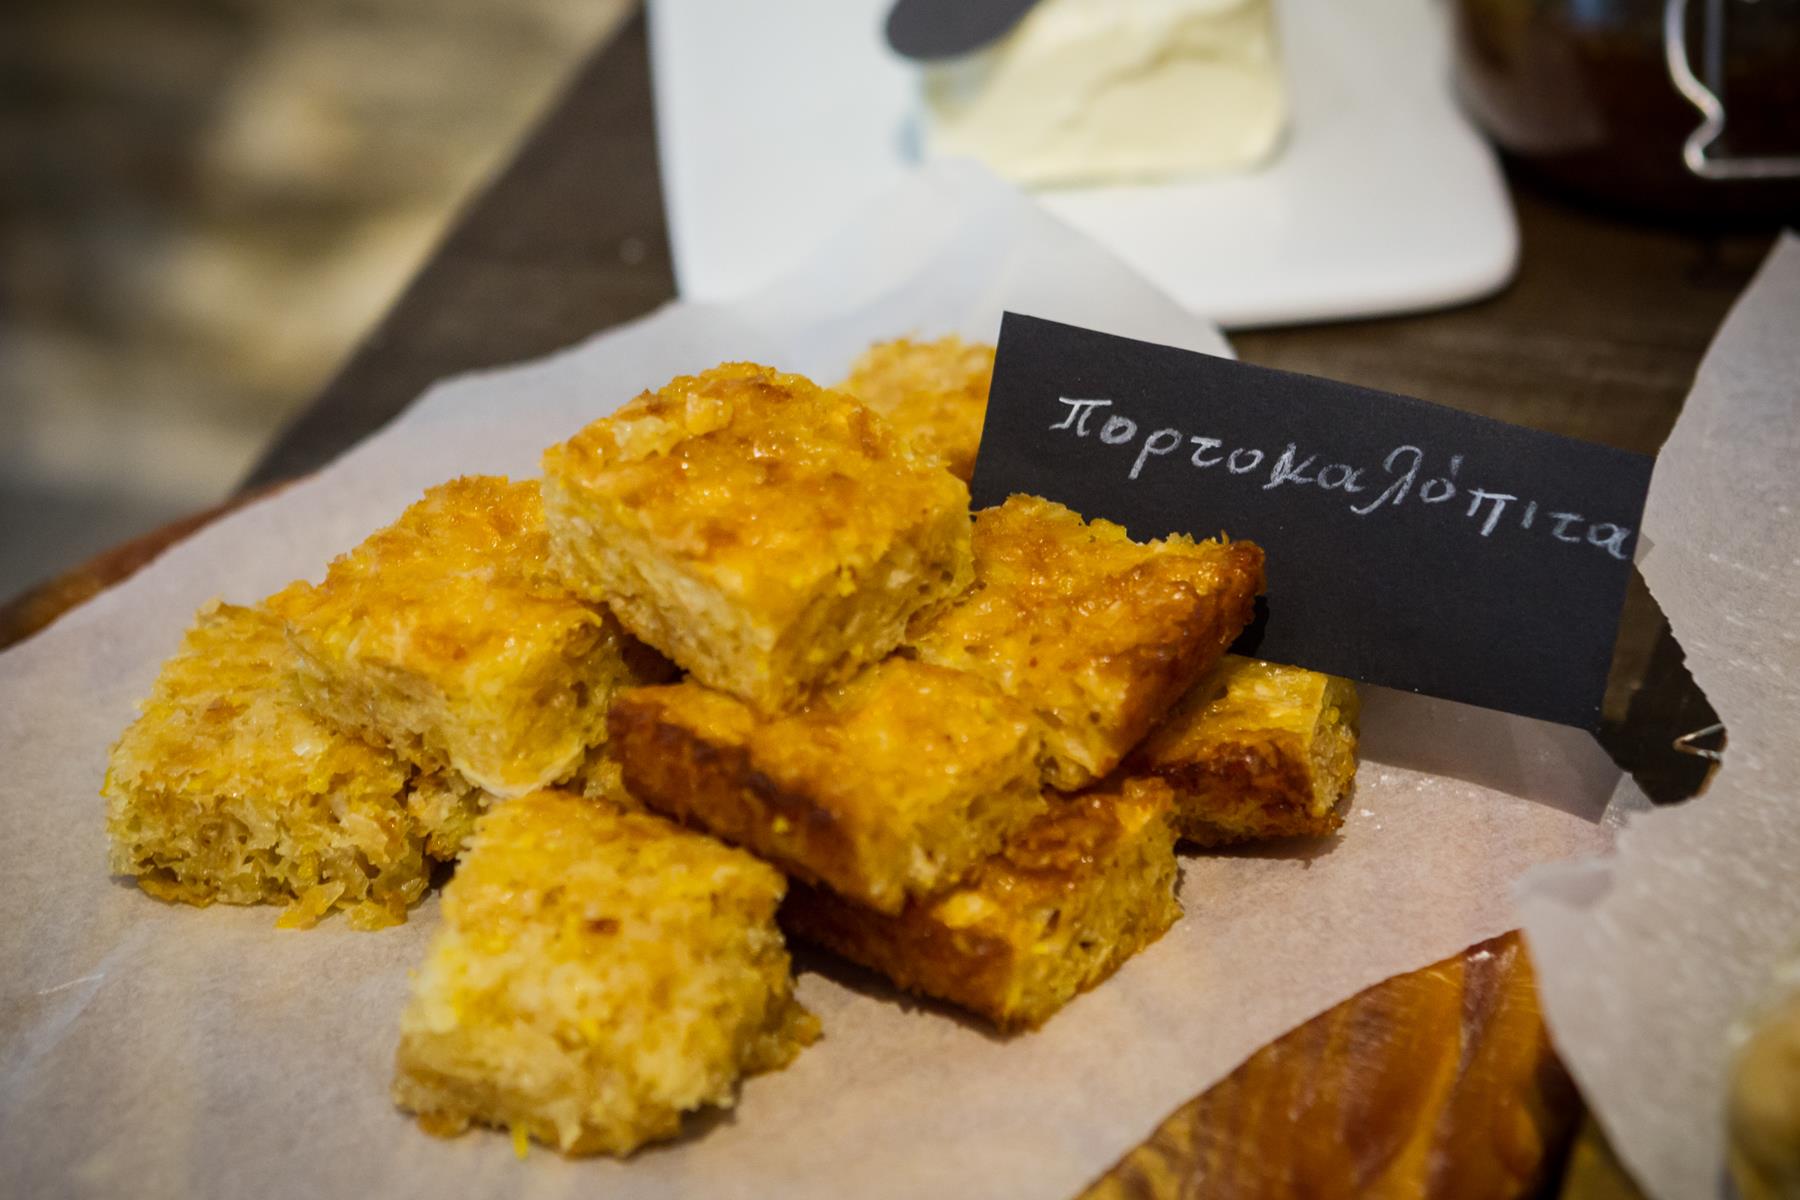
203 205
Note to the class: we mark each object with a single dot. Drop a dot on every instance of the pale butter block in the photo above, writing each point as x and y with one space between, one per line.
1098 91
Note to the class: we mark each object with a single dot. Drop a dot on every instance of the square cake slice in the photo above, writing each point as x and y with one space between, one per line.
768 535
1083 888
446 637
1098 633
933 393
894 784
598 973
1255 750
225 789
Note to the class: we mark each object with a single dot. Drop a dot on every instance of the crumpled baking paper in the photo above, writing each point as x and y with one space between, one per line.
166 1050
1647 957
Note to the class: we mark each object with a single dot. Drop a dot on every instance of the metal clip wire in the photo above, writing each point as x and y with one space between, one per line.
1705 97
1689 743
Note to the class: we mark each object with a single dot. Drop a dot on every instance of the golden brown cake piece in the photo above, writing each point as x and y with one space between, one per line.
1255 750
446 637
598 973
895 784
768 535
1098 633
226 789
934 393
1083 888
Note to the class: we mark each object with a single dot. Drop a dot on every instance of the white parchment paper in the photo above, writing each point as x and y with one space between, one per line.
164 1050
1646 957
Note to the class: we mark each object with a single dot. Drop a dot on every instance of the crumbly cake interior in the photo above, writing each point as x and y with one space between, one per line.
597 974
226 789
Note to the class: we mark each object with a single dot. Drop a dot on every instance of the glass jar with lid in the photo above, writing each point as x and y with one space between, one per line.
1660 108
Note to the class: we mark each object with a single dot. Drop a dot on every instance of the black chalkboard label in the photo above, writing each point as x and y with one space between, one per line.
1409 544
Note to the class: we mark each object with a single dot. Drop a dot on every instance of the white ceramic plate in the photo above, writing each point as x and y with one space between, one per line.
777 120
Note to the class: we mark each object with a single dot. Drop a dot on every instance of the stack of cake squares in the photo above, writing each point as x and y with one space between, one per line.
1253 750
743 662
885 700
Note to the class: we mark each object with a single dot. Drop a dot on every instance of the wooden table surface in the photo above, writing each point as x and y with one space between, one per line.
1438 1083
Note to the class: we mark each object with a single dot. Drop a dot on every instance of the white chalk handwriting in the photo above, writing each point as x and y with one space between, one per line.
1401 475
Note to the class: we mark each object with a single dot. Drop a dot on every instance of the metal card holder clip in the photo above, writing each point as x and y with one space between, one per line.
1689 743
1695 152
